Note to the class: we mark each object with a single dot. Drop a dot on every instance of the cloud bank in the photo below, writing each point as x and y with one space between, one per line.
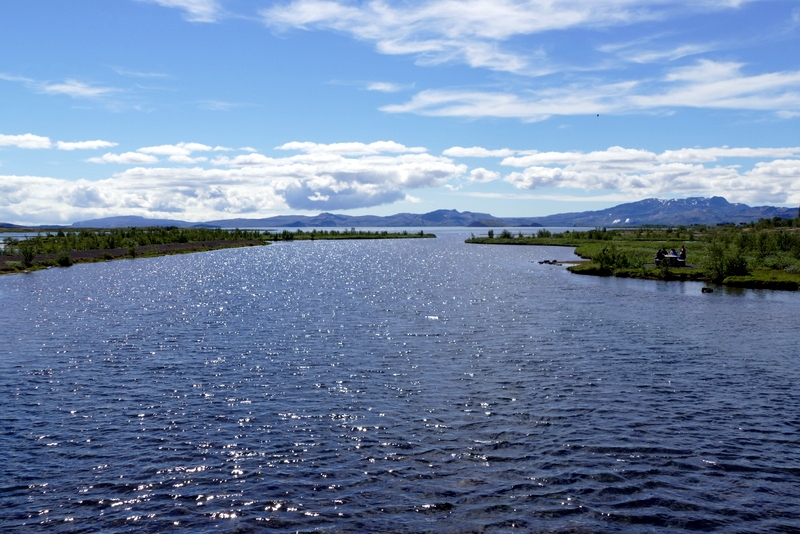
319 177
673 173
197 181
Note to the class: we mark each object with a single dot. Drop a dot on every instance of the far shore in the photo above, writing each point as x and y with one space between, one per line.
11 264
86 246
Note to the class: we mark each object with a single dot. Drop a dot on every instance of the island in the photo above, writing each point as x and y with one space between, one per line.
60 248
760 255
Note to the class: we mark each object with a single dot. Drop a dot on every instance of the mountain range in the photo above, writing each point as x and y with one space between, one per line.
652 211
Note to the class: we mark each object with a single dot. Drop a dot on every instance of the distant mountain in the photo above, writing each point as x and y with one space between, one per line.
331 220
9 225
127 221
685 211
652 211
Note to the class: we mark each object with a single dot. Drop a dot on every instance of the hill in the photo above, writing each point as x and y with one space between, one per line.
651 211
685 211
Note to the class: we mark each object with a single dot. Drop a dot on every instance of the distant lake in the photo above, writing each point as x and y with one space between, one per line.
420 385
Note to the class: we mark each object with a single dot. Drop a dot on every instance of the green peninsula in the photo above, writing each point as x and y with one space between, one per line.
62 248
763 254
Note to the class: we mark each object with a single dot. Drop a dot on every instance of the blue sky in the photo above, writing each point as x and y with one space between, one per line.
209 109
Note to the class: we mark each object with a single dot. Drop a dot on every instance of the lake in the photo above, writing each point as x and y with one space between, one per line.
419 385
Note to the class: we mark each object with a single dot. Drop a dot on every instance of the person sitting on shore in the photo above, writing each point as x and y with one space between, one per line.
673 253
682 255
660 256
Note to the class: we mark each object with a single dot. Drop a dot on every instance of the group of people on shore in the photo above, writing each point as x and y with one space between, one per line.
673 257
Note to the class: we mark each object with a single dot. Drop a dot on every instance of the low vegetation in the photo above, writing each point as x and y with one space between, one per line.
764 254
60 248
352 233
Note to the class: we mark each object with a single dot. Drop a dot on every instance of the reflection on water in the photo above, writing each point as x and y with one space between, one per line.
408 386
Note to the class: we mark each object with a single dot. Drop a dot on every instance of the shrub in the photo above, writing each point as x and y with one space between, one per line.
64 259
543 233
28 251
722 262
505 234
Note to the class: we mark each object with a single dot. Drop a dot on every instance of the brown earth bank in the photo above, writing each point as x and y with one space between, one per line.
11 263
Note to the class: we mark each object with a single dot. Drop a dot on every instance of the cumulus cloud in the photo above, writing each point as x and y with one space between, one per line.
351 149
180 153
482 176
317 178
38 141
478 152
705 84
345 175
179 149
194 10
84 145
25 141
126 158
641 173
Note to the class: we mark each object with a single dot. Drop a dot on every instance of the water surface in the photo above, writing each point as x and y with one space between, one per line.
397 386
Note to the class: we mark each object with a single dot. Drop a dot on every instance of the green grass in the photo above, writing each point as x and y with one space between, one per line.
762 255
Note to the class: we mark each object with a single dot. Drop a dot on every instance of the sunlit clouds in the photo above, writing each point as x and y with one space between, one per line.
673 173
197 181
32 141
313 177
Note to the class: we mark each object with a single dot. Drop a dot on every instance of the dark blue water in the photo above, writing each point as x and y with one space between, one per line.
393 386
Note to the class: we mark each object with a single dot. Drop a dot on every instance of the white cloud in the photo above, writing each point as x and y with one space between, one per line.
482 176
75 89
126 158
195 10
477 152
670 54
179 149
138 74
387 87
351 149
25 141
323 178
186 160
471 31
706 84
84 145
12 78
641 173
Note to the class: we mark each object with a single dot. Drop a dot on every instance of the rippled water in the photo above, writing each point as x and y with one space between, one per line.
395 386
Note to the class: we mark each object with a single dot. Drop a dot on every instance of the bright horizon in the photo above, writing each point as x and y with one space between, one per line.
219 109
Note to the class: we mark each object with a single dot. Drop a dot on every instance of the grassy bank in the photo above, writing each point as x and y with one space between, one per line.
59 248
763 255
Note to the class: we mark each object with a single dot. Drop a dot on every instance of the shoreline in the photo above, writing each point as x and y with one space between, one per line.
8 264
758 279
14 264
